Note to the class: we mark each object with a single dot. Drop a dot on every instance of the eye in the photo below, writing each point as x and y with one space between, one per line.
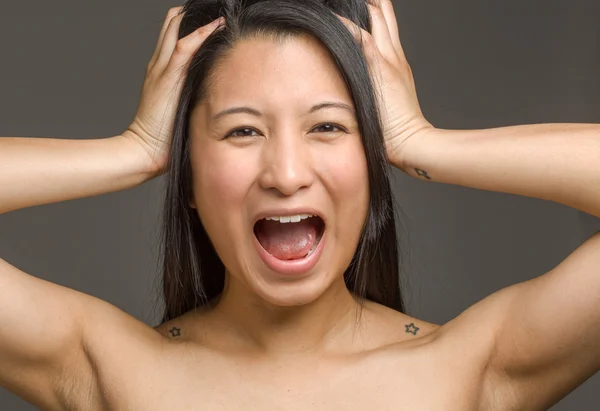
328 127
244 131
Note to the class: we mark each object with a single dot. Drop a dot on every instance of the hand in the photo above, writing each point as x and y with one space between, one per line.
152 126
401 114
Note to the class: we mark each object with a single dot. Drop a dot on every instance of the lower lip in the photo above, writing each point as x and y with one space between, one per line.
291 268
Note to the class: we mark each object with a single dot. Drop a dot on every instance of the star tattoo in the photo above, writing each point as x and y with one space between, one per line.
411 328
175 332
422 173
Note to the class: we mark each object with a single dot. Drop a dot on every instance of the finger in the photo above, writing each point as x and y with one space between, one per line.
390 17
172 13
362 37
381 34
169 41
187 46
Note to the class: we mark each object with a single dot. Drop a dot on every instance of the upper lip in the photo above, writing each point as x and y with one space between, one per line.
281 212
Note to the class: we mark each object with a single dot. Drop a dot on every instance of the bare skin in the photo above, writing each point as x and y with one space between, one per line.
64 350
196 361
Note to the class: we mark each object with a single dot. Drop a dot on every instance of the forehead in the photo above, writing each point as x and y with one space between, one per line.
298 70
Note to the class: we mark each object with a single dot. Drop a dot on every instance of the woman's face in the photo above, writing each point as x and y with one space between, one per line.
286 153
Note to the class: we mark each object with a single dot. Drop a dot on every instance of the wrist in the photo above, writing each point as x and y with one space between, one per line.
410 149
148 166
430 155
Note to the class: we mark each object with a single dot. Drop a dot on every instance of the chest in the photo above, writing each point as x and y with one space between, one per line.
398 384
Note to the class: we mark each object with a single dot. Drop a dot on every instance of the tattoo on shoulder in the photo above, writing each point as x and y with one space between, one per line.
411 328
175 332
422 173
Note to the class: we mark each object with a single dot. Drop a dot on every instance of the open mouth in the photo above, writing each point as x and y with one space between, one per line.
288 238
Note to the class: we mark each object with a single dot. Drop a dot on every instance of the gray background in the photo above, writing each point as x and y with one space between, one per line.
74 69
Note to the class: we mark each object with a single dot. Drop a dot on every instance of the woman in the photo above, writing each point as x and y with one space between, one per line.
273 119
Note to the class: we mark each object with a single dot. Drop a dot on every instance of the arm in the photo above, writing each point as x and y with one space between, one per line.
556 162
54 340
544 333
547 338
42 324
37 171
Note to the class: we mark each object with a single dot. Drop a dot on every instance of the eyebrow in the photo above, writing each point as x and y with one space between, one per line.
254 112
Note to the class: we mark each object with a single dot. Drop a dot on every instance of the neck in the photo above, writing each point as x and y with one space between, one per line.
324 325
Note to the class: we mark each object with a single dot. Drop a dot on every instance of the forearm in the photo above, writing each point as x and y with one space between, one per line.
36 171
557 162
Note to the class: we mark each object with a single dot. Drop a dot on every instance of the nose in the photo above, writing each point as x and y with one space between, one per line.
287 164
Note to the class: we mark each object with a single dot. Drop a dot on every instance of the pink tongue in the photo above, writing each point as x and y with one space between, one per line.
287 241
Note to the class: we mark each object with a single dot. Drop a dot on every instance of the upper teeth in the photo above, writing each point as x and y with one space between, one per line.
290 219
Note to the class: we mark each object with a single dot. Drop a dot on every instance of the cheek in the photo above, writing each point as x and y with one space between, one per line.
347 170
221 178
349 187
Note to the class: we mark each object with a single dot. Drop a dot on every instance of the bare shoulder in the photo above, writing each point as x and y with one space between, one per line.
477 326
453 356
391 327
468 342
114 343
192 326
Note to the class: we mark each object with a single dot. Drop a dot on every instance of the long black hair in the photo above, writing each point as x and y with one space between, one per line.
193 273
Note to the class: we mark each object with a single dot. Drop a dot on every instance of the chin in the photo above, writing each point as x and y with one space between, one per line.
294 294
